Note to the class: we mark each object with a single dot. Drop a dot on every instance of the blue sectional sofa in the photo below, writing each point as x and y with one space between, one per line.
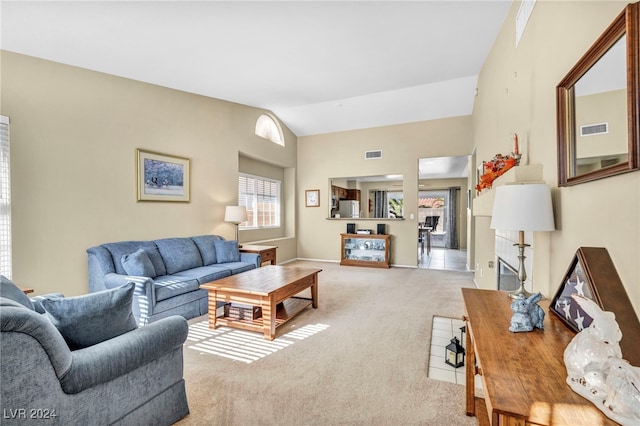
167 272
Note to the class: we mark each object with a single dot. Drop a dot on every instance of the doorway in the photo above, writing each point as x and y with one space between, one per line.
438 243
438 214
442 193
432 207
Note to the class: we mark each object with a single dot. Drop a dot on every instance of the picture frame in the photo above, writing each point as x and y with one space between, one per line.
594 267
162 177
312 198
575 281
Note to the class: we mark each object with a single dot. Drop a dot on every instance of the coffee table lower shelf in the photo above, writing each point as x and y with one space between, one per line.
286 310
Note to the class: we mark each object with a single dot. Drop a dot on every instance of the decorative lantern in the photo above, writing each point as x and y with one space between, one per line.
454 353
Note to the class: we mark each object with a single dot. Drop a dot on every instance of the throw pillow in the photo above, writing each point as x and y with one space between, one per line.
227 251
207 248
92 318
138 264
11 291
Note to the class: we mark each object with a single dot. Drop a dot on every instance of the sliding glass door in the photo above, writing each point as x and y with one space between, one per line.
439 208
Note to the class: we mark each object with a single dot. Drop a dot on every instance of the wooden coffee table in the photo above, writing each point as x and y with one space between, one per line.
272 288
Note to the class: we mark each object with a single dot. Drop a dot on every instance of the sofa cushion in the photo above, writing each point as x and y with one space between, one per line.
227 251
119 249
206 274
205 244
92 318
179 254
11 291
237 267
169 286
139 264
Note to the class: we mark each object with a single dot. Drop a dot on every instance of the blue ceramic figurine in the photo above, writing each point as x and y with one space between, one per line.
526 313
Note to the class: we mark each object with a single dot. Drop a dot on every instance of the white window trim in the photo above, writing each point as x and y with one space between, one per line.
5 198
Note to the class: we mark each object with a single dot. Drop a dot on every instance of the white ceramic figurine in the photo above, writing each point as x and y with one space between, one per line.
596 370
586 355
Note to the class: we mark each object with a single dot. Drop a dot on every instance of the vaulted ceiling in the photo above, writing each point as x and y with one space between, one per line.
319 66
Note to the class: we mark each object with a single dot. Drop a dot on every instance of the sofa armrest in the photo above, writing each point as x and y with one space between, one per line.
254 258
118 356
144 285
15 318
113 280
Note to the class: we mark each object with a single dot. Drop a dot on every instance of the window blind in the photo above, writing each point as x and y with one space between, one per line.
5 199
261 197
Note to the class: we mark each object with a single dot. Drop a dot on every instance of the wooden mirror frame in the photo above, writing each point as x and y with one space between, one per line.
625 23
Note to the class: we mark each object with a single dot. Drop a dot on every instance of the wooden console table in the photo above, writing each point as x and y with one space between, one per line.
268 253
523 374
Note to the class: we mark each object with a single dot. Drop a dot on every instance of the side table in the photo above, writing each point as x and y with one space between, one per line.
268 253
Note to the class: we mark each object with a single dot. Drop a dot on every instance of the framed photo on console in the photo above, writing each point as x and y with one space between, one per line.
575 281
592 274
162 177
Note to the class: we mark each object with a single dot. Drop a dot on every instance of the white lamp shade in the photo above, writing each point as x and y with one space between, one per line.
523 207
235 214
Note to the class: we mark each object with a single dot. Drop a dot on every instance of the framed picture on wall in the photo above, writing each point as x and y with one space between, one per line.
312 198
162 177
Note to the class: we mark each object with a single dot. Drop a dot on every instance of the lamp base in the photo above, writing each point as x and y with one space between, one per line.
515 294
522 273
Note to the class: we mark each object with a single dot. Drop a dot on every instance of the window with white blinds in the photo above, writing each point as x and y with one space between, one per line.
261 197
5 199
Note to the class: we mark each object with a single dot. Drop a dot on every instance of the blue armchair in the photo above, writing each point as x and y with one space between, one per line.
85 361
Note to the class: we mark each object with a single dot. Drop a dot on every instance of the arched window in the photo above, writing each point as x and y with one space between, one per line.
268 128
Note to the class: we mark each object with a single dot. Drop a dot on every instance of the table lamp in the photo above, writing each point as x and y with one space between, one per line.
522 207
235 215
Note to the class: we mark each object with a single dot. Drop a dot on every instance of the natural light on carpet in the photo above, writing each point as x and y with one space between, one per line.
242 345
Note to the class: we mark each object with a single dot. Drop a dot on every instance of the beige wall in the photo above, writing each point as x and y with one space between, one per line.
74 135
322 157
516 93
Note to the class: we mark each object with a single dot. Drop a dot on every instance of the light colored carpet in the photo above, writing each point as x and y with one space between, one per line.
361 358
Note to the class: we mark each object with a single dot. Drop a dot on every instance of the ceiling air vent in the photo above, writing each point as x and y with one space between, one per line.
371 155
594 129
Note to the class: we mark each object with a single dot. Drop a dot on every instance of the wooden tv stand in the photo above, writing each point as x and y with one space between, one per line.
523 374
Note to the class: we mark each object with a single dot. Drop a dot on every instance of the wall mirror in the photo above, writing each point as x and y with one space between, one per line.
597 111
366 197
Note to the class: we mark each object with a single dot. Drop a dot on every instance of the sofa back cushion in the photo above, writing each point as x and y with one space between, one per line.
92 318
206 245
179 254
122 248
227 251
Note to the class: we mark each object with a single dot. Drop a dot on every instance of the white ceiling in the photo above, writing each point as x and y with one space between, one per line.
443 167
319 66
